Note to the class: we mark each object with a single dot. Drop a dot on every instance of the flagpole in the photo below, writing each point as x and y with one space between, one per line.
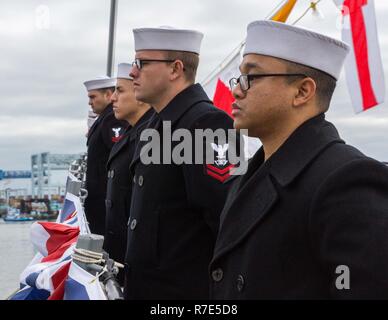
224 62
111 39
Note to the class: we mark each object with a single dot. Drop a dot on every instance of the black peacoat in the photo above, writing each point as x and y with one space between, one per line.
311 222
118 194
103 134
175 210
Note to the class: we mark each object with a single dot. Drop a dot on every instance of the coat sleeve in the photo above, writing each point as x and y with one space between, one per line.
349 230
112 130
207 184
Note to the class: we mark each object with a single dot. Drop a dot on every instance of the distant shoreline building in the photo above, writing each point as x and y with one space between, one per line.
47 177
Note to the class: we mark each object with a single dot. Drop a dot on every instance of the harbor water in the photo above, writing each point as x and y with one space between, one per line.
16 252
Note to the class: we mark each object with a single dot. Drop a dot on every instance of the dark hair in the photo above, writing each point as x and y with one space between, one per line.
103 90
325 83
190 62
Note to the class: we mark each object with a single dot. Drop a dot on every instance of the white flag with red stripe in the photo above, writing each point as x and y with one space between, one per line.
363 67
219 91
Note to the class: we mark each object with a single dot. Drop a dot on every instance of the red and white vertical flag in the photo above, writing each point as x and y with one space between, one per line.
363 67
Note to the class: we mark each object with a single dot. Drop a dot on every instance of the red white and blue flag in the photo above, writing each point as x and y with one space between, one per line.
81 285
72 213
45 275
51 273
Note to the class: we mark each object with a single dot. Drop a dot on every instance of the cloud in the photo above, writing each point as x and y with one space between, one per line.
44 104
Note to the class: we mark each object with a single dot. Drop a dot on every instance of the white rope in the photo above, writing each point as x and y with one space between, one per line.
88 253
91 257
98 275
313 5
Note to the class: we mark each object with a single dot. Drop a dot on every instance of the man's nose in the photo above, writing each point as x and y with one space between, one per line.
134 72
237 92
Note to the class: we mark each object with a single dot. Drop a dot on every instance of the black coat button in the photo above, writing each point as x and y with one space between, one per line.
217 275
240 283
133 224
108 203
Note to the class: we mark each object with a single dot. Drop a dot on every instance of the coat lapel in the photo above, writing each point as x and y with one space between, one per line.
149 120
118 146
249 201
93 128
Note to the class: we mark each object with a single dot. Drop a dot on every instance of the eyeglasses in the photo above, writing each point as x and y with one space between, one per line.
139 63
245 79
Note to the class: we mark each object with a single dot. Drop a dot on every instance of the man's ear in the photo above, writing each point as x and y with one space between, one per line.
108 94
177 69
305 91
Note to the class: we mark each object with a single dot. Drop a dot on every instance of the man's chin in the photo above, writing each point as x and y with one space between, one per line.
140 97
118 116
238 125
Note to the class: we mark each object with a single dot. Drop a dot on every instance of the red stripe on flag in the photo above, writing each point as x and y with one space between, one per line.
59 280
60 251
71 215
223 97
59 234
360 45
61 237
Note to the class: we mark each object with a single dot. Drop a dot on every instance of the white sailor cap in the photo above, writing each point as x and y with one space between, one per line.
296 44
123 71
167 38
101 82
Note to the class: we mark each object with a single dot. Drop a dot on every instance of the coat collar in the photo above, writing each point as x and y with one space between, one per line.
304 144
106 112
182 102
136 130
119 145
130 135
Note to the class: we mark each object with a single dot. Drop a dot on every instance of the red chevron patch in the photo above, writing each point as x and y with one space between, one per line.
217 173
116 139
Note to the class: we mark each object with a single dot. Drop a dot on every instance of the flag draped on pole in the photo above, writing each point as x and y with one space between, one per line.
81 285
218 88
52 275
45 275
363 67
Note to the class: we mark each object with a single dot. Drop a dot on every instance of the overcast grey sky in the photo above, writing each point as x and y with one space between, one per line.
44 103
